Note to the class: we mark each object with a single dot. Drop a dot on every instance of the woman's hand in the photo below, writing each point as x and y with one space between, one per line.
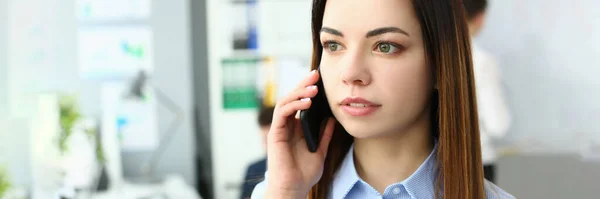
292 168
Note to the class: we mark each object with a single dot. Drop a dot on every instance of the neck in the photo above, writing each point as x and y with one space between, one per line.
383 161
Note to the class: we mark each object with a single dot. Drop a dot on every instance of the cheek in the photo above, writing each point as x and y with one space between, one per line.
329 75
405 85
405 81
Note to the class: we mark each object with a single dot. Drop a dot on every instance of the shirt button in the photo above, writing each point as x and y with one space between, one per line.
396 190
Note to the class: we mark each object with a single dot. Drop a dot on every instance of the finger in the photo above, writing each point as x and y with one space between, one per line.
297 133
283 113
306 92
326 137
298 93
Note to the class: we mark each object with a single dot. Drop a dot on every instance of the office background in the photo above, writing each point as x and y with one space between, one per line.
546 51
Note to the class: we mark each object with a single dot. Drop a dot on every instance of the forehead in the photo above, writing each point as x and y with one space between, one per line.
360 16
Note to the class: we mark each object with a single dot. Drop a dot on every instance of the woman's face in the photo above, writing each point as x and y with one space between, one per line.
373 66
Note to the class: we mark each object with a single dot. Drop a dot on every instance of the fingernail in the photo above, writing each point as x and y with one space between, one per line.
312 87
313 71
305 99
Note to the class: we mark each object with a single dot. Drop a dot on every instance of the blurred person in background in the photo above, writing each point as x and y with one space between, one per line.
494 116
256 170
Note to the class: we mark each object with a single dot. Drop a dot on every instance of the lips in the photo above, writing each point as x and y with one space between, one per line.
358 101
359 106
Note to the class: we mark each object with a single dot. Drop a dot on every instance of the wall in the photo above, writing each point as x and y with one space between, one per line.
41 51
15 149
3 59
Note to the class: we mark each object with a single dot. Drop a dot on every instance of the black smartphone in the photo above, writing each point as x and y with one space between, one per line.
315 117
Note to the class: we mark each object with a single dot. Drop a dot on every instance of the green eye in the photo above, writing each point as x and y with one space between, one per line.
387 48
384 48
332 46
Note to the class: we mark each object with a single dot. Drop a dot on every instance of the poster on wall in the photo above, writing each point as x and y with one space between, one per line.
109 52
112 10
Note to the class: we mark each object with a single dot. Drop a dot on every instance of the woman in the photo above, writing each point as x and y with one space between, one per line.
399 80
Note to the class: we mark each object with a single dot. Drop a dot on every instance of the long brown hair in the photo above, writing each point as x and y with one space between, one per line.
454 109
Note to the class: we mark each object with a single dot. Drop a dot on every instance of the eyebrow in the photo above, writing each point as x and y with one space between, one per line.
380 31
332 31
372 33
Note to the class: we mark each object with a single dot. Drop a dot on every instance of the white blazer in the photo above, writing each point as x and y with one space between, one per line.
494 116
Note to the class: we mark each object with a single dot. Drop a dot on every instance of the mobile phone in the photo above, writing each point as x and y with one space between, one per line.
313 118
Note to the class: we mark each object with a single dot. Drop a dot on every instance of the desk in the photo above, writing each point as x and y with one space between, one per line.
548 176
173 187
131 191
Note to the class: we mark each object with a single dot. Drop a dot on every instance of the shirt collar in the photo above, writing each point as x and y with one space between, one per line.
419 185
346 176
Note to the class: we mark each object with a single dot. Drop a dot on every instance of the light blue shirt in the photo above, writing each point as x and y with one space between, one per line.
420 185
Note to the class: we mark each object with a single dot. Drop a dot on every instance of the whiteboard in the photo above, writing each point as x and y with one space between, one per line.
548 52
114 51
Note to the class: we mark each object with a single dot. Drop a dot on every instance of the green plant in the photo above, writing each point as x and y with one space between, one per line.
4 181
92 133
69 114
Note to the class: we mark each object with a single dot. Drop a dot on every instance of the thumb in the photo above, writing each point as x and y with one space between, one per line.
326 137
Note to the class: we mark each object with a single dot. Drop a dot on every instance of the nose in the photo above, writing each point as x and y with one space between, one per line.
355 69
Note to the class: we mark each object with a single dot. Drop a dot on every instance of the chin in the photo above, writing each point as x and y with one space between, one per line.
362 129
